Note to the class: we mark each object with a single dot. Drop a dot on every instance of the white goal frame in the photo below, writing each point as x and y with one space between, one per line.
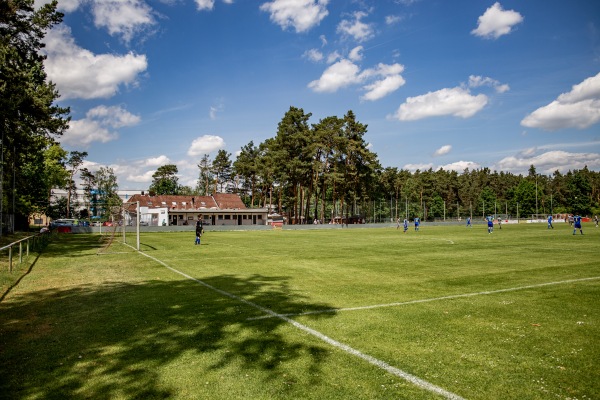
126 218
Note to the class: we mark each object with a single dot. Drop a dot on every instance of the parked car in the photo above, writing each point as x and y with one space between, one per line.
107 223
63 222
143 223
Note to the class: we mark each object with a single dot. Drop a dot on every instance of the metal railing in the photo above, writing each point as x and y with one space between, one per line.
34 242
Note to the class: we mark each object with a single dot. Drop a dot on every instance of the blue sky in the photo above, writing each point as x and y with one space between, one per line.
440 84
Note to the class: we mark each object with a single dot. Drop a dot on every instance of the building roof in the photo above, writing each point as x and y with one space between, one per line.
218 201
229 201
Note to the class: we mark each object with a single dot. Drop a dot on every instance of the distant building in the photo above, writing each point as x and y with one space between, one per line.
218 209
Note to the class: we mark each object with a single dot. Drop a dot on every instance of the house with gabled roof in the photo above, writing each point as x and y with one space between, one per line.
216 209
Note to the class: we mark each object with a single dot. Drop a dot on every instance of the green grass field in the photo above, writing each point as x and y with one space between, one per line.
360 313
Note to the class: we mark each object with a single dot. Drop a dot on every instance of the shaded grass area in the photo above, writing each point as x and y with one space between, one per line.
83 325
115 326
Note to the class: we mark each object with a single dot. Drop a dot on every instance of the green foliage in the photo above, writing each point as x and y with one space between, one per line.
206 178
108 198
165 180
29 119
221 166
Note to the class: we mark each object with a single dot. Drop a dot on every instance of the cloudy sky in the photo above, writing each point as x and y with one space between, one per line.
440 84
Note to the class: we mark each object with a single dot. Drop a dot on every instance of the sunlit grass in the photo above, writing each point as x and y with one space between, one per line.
510 315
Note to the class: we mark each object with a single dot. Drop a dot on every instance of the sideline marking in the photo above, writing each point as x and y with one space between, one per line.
454 296
423 384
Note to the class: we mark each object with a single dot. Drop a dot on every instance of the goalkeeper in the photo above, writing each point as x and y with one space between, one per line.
199 229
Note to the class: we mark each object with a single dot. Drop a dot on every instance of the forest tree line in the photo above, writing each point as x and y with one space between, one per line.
326 170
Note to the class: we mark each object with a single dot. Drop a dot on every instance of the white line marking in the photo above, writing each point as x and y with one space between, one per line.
454 296
372 360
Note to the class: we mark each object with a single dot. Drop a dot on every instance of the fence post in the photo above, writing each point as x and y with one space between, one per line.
27 254
20 252
10 259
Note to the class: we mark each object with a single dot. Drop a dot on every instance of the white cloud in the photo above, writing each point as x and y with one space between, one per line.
356 28
95 126
115 117
157 161
587 90
209 4
457 101
460 166
341 74
392 19
549 162
333 57
496 22
205 144
355 53
345 73
123 18
579 108
302 15
420 167
443 150
383 87
313 55
323 40
78 73
83 132
478 81
133 176
205 4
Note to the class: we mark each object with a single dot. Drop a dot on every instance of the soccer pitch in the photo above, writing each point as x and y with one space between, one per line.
361 313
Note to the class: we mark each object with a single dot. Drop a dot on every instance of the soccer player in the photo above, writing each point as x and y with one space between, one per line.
577 224
405 225
490 223
199 229
417 223
596 220
550 222
469 222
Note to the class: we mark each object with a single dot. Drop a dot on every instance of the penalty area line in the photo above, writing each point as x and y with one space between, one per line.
454 296
421 383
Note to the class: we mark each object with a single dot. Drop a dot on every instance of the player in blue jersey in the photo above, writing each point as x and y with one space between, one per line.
469 222
405 225
490 223
417 223
577 224
550 226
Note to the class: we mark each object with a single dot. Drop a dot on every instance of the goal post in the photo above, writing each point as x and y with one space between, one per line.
131 217
124 221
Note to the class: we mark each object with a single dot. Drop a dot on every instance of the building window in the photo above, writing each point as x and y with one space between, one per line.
259 216
245 217
220 217
227 216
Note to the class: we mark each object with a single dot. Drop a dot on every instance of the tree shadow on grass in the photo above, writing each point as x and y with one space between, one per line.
112 340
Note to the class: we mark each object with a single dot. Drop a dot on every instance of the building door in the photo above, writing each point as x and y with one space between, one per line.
174 220
239 219
213 220
254 220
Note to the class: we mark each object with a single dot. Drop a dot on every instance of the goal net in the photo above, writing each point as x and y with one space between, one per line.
123 227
